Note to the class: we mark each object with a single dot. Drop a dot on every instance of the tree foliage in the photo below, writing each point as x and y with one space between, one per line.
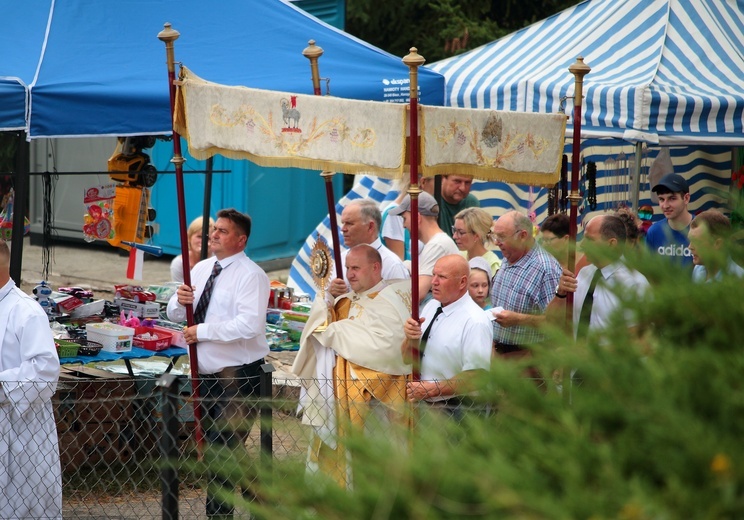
442 28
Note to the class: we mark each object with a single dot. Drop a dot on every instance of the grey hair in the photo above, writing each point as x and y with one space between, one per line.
368 210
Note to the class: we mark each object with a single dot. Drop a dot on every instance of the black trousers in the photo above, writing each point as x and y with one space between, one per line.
229 403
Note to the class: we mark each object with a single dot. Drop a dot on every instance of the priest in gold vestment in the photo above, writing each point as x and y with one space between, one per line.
352 371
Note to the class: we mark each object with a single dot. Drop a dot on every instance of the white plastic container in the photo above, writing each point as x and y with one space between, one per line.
113 337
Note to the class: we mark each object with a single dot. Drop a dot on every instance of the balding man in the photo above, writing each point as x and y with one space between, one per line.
356 361
456 337
360 224
597 285
523 287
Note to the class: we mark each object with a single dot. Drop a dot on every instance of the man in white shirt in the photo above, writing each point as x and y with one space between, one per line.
230 334
709 234
29 369
596 286
457 336
360 224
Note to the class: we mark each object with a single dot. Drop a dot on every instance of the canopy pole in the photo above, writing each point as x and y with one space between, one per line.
414 60
168 36
20 203
636 188
579 69
313 52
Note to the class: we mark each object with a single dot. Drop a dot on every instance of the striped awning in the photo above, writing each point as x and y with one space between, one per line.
663 71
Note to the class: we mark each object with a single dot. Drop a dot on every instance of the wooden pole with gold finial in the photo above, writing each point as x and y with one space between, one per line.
168 36
414 60
313 53
579 69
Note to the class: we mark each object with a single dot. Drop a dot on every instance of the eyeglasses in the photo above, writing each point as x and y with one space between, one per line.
498 238
458 232
547 240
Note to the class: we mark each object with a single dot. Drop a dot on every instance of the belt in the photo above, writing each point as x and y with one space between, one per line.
229 372
504 348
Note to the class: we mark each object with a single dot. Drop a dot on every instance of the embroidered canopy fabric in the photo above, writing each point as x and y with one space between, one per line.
291 130
517 147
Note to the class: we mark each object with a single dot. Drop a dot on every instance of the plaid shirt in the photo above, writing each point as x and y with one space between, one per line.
526 287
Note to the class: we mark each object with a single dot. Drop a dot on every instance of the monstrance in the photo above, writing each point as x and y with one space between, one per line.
321 263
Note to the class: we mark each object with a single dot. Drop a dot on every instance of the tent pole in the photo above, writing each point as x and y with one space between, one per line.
313 52
168 36
636 188
20 203
414 60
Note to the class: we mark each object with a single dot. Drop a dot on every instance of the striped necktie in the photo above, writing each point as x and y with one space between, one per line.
201 308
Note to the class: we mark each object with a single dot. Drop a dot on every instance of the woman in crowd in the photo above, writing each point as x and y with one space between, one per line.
194 234
472 232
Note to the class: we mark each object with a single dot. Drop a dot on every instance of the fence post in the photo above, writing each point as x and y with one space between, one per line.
169 385
267 443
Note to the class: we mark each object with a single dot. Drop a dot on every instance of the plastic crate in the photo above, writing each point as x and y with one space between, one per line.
113 337
163 341
66 348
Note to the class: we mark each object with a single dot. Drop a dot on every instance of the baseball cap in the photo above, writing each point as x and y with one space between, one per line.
427 205
673 182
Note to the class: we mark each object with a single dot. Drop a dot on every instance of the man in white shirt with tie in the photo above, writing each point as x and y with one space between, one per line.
231 294
360 224
597 285
456 337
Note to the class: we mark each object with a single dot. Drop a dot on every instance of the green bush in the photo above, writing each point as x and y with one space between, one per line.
652 429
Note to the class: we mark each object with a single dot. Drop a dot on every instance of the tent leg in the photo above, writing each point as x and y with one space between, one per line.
20 184
635 190
207 210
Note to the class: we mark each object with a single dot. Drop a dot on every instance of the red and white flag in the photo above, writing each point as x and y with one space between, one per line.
134 268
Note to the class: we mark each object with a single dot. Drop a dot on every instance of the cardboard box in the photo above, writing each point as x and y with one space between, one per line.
89 395
141 310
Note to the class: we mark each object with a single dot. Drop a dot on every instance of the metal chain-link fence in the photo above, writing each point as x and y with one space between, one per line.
129 448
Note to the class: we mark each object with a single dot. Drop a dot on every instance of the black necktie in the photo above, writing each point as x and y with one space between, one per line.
422 346
586 307
201 308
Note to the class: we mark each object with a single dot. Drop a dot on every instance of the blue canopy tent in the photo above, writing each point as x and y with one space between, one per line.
101 67
664 73
83 68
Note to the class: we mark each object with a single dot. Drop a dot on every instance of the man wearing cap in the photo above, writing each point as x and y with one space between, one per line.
668 237
436 242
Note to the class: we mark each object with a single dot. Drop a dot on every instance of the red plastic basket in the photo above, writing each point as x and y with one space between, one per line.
163 342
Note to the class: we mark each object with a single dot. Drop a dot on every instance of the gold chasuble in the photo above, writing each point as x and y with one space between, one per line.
364 339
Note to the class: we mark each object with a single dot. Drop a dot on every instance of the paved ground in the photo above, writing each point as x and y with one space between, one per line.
95 267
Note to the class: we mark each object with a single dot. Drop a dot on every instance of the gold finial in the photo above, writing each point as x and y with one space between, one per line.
579 68
413 58
312 50
168 34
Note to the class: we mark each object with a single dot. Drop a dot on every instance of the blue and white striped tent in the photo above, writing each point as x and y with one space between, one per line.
664 72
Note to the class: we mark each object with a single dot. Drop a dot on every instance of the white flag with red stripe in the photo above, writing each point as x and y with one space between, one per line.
134 268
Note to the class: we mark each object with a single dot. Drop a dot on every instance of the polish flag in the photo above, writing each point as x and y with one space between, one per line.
134 268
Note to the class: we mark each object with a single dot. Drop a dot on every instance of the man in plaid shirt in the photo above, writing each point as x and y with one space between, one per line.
523 287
